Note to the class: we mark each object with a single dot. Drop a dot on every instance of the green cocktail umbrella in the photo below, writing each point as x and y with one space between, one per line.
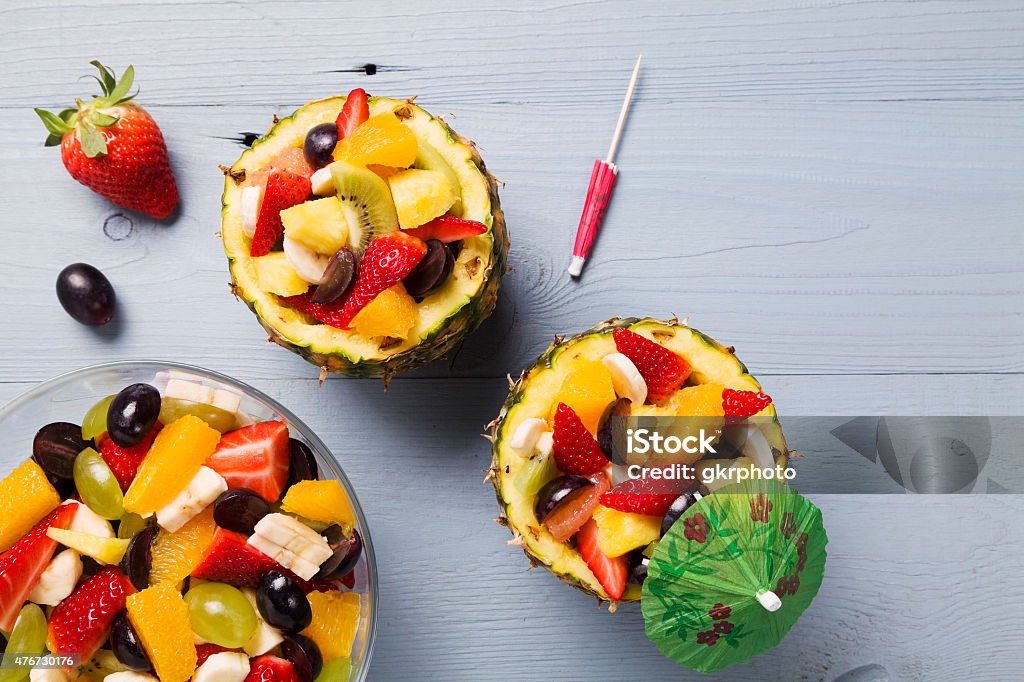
733 574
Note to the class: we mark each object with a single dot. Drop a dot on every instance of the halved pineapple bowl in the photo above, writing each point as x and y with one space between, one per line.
364 234
569 507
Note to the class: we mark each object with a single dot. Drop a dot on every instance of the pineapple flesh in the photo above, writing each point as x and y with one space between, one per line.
320 225
420 196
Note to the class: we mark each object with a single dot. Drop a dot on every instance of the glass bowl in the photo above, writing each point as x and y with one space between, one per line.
69 396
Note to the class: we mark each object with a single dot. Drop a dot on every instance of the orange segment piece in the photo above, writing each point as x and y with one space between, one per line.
335 620
381 140
177 453
588 390
25 498
176 554
320 501
704 400
393 313
160 617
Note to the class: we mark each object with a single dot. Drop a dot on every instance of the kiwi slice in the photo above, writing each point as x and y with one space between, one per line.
367 203
428 158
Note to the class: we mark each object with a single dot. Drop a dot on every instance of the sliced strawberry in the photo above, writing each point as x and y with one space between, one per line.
568 517
204 651
124 462
254 457
448 228
738 405
267 668
610 572
81 623
291 159
575 450
387 261
230 559
663 370
24 562
284 190
647 496
353 113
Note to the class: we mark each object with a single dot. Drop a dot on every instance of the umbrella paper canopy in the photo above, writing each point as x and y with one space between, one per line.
733 575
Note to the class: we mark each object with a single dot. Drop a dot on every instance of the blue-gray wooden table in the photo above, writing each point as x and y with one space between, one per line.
835 188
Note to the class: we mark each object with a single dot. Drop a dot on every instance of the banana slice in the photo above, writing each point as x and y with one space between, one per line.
526 435
309 264
626 378
250 209
322 182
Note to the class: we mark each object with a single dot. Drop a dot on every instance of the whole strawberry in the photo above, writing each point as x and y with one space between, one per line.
113 147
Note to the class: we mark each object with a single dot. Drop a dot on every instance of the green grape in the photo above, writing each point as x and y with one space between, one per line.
130 525
27 637
337 670
97 486
534 473
221 614
95 421
173 409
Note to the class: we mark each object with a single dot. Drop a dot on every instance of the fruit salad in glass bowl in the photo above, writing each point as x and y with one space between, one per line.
568 502
365 234
173 524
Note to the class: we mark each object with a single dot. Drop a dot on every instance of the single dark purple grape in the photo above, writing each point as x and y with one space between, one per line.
676 509
432 272
55 447
125 644
338 275
347 550
319 144
138 558
239 509
282 604
637 567
556 490
132 414
304 654
302 464
86 294
608 427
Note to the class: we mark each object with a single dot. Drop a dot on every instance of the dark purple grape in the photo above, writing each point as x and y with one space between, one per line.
432 272
338 275
55 447
86 294
304 654
301 463
319 144
556 490
608 428
676 509
282 604
138 558
347 550
132 414
125 644
239 509
637 567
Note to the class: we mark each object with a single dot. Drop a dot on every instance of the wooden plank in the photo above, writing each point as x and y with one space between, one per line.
552 52
812 239
910 581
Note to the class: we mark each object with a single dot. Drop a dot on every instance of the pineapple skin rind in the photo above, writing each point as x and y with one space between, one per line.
443 337
496 433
